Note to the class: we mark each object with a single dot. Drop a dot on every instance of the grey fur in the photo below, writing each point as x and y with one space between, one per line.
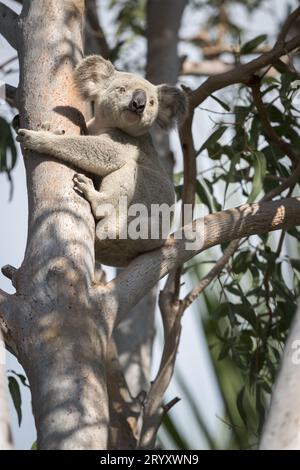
119 149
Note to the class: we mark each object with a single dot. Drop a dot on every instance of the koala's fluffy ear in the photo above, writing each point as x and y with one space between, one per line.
91 74
172 106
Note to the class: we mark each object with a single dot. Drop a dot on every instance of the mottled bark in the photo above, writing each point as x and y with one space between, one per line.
61 345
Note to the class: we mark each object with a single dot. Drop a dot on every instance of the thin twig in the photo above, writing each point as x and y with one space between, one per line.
211 275
271 134
242 73
286 27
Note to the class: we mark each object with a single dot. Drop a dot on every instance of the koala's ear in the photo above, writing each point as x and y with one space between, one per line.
172 106
91 74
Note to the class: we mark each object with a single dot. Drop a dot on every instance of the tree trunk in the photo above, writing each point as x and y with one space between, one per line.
282 427
62 346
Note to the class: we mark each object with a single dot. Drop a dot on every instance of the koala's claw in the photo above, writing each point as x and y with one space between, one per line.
82 183
23 136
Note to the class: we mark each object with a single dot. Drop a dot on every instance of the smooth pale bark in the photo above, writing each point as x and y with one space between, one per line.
61 345
213 229
282 427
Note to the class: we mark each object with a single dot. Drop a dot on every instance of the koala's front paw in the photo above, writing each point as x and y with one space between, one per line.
83 184
33 140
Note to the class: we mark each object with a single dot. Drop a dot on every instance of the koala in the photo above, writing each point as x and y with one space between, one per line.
119 149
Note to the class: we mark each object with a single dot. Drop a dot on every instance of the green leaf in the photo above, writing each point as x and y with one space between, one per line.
255 131
212 139
241 262
15 393
203 195
240 405
221 103
247 312
174 433
8 151
232 171
295 263
34 446
260 407
179 191
22 378
191 400
253 44
260 166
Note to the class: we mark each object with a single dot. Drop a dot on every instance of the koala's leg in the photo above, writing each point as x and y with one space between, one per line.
98 200
99 155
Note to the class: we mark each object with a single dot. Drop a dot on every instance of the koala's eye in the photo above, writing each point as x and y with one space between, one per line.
121 89
151 102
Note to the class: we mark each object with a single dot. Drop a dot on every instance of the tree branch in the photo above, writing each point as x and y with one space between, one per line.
281 144
6 311
153 407
211 230
271 134
205 67
286 27
10 272
9 25
242 73
211 275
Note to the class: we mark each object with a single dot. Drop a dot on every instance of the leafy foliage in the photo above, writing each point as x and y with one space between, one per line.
15 392
255 297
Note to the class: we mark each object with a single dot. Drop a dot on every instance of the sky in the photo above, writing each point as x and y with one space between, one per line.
193 357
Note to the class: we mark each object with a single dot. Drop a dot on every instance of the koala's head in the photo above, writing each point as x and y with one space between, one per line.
127 101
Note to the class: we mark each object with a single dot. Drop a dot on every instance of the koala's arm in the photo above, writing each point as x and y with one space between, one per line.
99 155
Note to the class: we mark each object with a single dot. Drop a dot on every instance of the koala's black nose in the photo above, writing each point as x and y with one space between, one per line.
138 101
